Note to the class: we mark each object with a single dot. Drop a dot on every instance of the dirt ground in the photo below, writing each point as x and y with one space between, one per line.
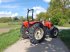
3 30
55 45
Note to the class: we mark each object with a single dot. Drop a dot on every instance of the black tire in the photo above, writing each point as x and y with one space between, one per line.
54 32
22 31
32 32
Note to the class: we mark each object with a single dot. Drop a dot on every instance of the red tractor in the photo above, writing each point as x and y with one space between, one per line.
36 31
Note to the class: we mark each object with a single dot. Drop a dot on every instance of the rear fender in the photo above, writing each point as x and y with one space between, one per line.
48 24
25 24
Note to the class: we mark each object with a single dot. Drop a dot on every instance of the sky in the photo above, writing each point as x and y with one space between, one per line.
19 7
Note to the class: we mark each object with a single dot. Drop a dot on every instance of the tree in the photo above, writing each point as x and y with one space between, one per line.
15 19
42 15
21 18
5 19
58 10
58 5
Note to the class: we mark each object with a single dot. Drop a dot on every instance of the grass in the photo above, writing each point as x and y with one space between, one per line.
4 25
66 25
10 24
8 38
65 37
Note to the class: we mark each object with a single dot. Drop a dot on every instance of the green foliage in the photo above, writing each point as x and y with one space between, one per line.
21 19
62 22
59 19
65 37
30 18
15 19
12 19
10 25
8 38
58 11
68 13
41 15
66 25
5 19
55 20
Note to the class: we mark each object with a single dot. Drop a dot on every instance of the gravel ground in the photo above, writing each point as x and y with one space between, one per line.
55 45
49 45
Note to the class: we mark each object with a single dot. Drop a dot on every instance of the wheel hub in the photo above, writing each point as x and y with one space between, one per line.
39 34
55 33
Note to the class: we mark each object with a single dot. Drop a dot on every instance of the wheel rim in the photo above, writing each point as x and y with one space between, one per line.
55 32
39 34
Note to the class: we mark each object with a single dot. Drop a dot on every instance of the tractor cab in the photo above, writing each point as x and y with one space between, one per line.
31 21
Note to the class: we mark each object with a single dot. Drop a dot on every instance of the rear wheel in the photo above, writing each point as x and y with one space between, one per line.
23 32
36 33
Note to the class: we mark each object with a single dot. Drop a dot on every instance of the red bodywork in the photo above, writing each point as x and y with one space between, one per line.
46 23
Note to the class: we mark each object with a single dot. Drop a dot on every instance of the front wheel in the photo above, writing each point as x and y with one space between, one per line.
54 32
23 32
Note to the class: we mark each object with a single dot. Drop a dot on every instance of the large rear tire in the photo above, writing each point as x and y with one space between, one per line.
36 33
23 32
